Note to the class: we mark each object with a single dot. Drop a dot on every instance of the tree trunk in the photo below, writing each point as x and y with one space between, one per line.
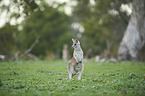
134 37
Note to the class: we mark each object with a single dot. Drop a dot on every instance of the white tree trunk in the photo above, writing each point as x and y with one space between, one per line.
134 36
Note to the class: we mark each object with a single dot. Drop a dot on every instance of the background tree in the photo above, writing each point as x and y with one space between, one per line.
14 10
22 7
7 42
52 28
49 25
104 25
46 27
134 37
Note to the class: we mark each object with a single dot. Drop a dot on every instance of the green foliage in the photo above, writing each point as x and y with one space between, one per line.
22 7
104 24
47 24
42 78
50 26
7 42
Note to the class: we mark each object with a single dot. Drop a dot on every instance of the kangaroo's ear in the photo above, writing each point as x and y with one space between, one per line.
78 41
73 40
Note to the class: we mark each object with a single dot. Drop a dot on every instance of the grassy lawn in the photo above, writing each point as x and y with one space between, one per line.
41 78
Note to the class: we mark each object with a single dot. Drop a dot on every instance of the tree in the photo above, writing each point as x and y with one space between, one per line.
104 25
52 29
22 7
134 36
7 42
44 30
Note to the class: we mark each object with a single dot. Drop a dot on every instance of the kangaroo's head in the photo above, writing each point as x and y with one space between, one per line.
76 43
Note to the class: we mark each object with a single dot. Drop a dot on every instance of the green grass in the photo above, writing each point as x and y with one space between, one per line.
41 78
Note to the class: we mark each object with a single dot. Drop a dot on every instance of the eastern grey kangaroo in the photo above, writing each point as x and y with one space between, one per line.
75 65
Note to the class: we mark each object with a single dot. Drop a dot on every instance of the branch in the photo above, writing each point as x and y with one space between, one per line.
32 46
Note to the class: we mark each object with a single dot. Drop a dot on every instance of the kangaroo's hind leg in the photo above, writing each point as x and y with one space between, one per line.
80 72
70 75
70 71
79 76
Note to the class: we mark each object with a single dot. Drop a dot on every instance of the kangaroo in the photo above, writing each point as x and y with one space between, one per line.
75 65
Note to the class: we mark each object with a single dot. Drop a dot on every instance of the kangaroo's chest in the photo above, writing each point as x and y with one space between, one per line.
78 55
